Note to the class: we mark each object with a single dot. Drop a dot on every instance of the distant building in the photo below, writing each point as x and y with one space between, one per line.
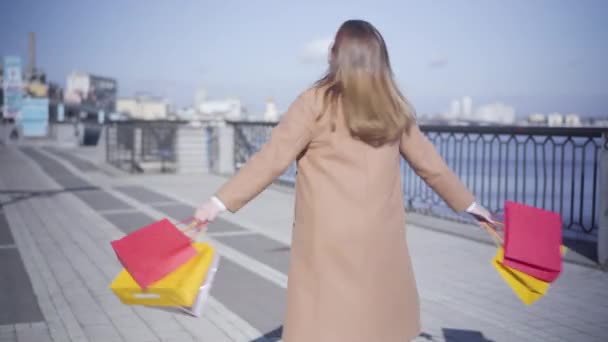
144 107
455 109
555 119
91 93
200 96
600 122
572 119
461 112
495 113
537 119
188 113
227 109
467 107
215 110
271 113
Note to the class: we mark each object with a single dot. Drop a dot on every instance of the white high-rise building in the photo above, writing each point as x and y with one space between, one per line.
537 118
227 109
144 107
555 119
572 119
495 113
467 107
216 110
455 108
271 113
200 96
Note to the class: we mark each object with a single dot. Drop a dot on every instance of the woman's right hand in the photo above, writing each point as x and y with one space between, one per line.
208 211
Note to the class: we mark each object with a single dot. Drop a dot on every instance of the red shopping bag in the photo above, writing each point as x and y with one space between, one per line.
533 239
152 252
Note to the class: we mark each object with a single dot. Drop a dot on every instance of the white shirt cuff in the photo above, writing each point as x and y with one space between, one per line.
218 203
471 207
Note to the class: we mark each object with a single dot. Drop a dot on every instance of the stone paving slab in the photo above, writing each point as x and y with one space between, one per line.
72 267
17 299
6 238
100 200
254 249
261 248
128 221
143 195
178 211
233 328
460 290
81 164
256 300
63 178
462 296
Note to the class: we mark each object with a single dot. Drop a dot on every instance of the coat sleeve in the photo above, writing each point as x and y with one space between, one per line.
427 163
288 139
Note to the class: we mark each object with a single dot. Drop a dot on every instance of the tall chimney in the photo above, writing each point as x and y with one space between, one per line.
31 53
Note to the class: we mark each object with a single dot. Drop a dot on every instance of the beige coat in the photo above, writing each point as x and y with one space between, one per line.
350 276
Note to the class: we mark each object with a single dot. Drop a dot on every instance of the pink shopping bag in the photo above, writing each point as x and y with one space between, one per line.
533 239
152 252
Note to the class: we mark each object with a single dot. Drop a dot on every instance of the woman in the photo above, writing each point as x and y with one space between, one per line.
350 276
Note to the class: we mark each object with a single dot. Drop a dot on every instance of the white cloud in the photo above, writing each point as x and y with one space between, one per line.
316 50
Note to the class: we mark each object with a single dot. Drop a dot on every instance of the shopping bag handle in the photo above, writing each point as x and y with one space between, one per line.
193 225
498 240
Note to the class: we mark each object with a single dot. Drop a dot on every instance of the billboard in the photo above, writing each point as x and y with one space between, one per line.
91 93
60 112
12 87
34 117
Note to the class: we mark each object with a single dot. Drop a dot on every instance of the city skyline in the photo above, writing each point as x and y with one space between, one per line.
537 56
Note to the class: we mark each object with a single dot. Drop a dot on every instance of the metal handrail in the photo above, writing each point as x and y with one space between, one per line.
556 168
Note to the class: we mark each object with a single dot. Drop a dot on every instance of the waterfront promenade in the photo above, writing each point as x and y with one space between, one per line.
61 208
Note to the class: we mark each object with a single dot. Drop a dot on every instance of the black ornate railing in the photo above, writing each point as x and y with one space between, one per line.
213 147
131 144
556 168
552 168
249 138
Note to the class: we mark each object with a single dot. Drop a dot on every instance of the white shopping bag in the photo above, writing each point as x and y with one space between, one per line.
203 293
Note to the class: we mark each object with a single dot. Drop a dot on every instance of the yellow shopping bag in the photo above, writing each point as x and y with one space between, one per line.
179 288
527 288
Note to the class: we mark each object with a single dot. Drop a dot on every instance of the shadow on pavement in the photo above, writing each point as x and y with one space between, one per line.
587 249
21 195
280 249
456 335
271 336
460 335
449 335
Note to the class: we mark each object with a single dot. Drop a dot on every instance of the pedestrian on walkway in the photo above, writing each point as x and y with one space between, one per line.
350 277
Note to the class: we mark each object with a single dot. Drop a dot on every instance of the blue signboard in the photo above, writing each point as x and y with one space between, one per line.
35 117
12 86
60 112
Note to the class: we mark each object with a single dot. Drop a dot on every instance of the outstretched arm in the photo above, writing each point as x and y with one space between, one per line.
288 139
427 163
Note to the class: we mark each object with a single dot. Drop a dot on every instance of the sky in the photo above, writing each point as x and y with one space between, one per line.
535 55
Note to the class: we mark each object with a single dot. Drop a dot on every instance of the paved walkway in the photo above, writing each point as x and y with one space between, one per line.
60 212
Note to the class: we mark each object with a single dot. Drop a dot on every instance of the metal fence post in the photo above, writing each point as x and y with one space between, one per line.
107 128
208 148
602 239
226 149
133 148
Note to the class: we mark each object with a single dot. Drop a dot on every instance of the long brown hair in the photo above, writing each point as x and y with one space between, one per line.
360 78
